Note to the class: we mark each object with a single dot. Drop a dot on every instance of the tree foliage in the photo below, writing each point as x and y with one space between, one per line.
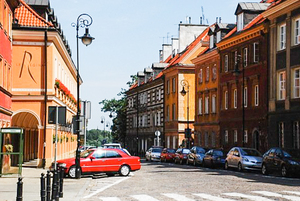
95 137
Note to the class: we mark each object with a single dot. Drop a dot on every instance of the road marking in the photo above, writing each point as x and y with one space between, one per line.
109 199
250 197
292 192
270 194
106 187
144 198
211 197
177 197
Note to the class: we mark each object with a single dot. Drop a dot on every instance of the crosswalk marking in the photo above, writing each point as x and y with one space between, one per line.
211 197
144 197
292 192
109 199
250 197
177 197
271 194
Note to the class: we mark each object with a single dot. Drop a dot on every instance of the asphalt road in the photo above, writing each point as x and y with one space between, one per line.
168 182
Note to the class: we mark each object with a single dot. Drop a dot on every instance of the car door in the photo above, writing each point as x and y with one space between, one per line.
112 161
277 159
95 163
208 157
269 159
229 157
235 157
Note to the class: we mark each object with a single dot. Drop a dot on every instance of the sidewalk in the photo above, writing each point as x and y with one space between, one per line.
31 186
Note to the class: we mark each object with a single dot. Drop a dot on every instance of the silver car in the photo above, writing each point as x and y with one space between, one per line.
153 154
243 158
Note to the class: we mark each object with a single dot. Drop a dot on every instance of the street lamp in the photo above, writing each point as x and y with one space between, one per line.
84 21
183 93
236 72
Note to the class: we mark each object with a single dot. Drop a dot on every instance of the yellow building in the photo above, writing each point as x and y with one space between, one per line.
43 75
180 110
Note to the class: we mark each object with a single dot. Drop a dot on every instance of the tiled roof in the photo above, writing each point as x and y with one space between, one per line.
29 18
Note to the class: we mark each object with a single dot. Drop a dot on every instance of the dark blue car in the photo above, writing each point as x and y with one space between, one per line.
214 158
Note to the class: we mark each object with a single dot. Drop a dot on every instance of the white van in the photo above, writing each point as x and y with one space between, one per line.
112 145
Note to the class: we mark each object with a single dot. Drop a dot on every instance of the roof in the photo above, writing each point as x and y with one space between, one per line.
252 6
37 2
29 18
225 26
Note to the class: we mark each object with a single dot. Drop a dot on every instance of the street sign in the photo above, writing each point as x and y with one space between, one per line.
62 115
157 133
81 125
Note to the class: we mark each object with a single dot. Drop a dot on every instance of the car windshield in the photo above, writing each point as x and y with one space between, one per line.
185 151
201 151
85 153
218 153
171 151
157 150
250 152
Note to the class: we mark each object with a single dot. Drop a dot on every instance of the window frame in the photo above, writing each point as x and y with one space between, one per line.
281 86
200 109
245 51
282 36
206 105
235 98
213 103
245 97
235 136
226 100
256 95
296 29
207 74
226 64
226 137
255 52
296 89
200 76
173 84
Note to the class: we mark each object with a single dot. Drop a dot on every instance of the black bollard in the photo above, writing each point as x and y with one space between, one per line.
43 187
48 185
61 183
57 183
54 186
19 189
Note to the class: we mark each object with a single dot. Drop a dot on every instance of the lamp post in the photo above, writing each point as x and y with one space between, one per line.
84 21
236 73
183 93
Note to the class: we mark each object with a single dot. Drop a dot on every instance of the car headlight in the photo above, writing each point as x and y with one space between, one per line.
245 159
293 162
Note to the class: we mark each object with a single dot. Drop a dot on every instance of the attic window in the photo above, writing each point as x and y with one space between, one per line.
211 41
219 36
240 21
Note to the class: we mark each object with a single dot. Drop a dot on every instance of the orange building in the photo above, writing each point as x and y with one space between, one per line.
43 75
180 110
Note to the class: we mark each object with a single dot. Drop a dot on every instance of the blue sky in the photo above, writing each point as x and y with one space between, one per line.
129 34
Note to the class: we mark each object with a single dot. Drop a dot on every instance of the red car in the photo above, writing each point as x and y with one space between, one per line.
167 155
109 161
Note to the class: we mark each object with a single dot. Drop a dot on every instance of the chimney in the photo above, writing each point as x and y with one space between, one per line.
141 77
190 20
220 20
148 73
175 46
165 52
157 68
200 20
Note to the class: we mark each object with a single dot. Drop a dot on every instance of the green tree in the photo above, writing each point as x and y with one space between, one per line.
95 137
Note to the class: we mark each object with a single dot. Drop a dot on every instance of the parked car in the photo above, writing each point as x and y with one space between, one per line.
181 155
153 153
285 161
196 155
82 148
167 154
109 161
243 158
112 145
214 158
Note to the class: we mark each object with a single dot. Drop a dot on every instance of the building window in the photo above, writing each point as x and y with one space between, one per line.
226 63
256 95
158 118
159 94
200 106
213 104
168 141
214 72
173 111
174 142
235 136
206 105
168 113
174 85
235 98
240 21
245 136
245 96
219 36
211 41
235 57
297 31
206 139
281 86
281 134
296 135
245 57
168 86
226 136
297 83
207 74
226 100
256 52
200 76
282 37
213 139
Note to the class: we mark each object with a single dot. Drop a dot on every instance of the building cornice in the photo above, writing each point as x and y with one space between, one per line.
206 56
242 37
281 9
5 111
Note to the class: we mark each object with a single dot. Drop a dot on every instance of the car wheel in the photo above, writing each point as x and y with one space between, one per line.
72 171
194 162
264 169
284 171
240 168
226 165
124 170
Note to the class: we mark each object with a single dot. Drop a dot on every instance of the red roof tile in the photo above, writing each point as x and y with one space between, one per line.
28 17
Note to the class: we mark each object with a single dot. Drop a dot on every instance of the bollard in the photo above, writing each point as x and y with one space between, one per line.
57 184
48 185
61 183
19 189
43 187
54 186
